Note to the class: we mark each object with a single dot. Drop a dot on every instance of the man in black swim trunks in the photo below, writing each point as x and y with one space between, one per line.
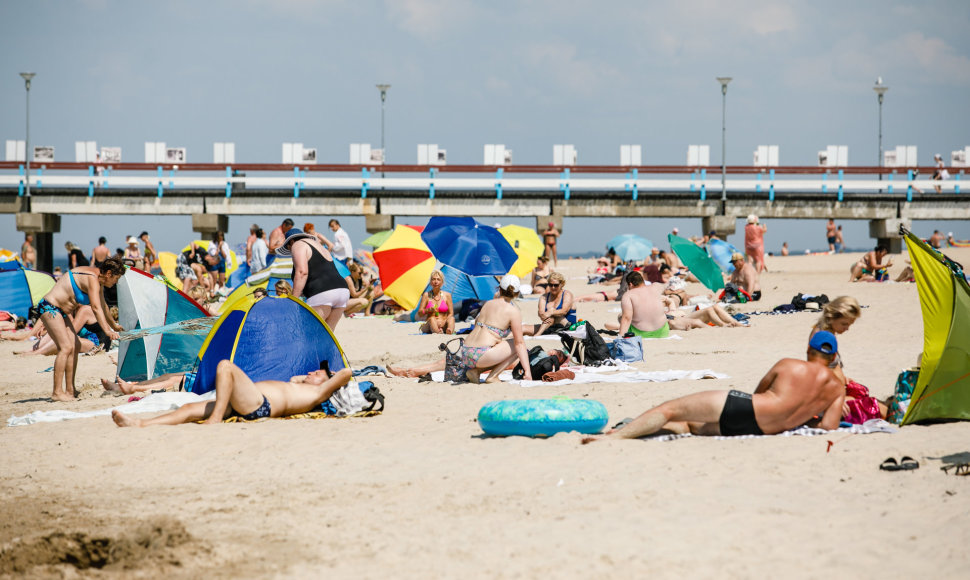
237 394
792 394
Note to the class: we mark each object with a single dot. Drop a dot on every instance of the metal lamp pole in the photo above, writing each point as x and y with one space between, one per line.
27 76
880 91
724 83
383 89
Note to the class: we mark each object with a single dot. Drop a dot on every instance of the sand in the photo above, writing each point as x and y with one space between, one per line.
418 492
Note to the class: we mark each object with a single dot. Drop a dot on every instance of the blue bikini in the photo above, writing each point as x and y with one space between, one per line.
79 295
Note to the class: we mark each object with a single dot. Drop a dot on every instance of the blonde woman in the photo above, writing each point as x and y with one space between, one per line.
437 308
555 307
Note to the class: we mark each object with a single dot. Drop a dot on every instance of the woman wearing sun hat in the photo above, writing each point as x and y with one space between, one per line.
315 276
133 255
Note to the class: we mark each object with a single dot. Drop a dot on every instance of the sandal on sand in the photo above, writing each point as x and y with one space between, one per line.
958 468
889 464
907 463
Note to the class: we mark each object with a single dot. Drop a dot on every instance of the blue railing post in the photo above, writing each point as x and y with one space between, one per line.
841 175
890 178
703 184
363 184
636 188
161 176
825 185
771 187
90 180
431 183
296 182
20 188
564 185
40 174
693 175
228 181
956 184
757 186
498 182
171 177
909 186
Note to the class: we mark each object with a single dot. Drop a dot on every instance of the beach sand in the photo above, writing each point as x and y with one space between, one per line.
418 492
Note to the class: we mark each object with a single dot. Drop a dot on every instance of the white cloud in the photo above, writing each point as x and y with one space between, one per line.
561 62
430 18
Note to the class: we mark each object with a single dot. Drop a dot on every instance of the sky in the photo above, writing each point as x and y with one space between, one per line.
526 74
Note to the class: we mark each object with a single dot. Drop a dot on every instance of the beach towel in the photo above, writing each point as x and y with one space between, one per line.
560 375
154 403
871 426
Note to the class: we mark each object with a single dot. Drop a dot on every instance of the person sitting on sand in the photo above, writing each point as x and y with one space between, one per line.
641 310
488 347
90 334
745 277
555 307
237 394
437 308
793 393
871 268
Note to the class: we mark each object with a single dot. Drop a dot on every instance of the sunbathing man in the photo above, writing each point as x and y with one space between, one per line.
237 394
642 310
792 394
745 276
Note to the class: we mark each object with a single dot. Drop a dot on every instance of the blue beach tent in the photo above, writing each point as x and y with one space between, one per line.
462 285
272 338
20 289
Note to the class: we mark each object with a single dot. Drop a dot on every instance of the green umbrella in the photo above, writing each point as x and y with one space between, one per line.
697 261
379 238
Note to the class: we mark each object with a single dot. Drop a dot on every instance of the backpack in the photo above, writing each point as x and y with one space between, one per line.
540 363
802 301
591 350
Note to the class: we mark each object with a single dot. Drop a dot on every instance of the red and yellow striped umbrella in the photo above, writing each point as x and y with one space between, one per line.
405 265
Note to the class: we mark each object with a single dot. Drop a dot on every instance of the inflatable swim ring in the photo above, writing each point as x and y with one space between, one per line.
542 417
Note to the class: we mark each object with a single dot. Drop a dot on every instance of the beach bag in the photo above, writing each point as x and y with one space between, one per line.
627 349
352 398
454 368
590 350
905 383
733 295
540 363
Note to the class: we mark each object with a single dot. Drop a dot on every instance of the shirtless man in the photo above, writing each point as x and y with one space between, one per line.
100 253
642 309
936 240
871 267
830 234
549 239
278 235
237 394
745 276
792 394
28 255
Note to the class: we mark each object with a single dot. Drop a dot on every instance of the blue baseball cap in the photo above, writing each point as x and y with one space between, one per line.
824 342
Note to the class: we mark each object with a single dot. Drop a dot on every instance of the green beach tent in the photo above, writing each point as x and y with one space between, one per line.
697 261
943 388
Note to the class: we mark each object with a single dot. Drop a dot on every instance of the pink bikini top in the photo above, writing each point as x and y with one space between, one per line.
442 305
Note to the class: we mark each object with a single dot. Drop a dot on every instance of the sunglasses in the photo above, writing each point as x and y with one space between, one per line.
555 285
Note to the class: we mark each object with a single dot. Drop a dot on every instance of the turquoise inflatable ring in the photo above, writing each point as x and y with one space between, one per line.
542 417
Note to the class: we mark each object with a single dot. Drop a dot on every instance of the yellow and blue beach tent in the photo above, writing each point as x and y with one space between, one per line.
271 338
943 389
20 289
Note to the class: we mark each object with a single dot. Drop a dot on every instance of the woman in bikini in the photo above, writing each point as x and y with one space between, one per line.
437 307
360 290
555 307
80 286
540 275
494 343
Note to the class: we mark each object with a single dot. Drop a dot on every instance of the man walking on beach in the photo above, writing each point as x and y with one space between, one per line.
277 236
792 394
642 312
237 394
342 248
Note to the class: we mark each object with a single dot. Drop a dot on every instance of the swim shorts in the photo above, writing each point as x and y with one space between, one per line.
737 417
336 298
832 239
261 413
662 332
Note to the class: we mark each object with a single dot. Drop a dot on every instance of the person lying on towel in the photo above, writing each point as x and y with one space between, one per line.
237 394
793 393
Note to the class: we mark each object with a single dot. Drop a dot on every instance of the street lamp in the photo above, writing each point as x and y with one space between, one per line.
724 83
27 76
880 91
383 89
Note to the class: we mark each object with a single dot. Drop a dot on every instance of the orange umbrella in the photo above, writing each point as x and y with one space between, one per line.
405 265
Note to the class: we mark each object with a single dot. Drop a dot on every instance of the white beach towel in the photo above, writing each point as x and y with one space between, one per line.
870 426
153 403
602 375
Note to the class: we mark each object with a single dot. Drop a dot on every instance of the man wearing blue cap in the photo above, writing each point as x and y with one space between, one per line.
792 394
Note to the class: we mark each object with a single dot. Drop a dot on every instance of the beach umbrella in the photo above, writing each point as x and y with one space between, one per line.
379 238
720 251
6 255
527 245
21 288
697 261
468 246
630 247
405 264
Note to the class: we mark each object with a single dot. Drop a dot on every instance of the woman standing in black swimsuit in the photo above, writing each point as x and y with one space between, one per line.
315 276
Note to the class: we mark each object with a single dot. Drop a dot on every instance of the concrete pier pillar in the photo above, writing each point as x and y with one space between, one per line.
210 223
722 225
886 232
378 222
43 226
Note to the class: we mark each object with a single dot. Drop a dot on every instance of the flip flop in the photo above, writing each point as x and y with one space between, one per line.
907 463
889 464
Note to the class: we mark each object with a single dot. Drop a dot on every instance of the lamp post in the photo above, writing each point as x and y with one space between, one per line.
383 89
27 76
880 92
724 83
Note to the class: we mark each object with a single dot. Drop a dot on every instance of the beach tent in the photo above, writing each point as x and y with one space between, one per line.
148 302
462 286
697 261
20 289
273 338
720 251
943 388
